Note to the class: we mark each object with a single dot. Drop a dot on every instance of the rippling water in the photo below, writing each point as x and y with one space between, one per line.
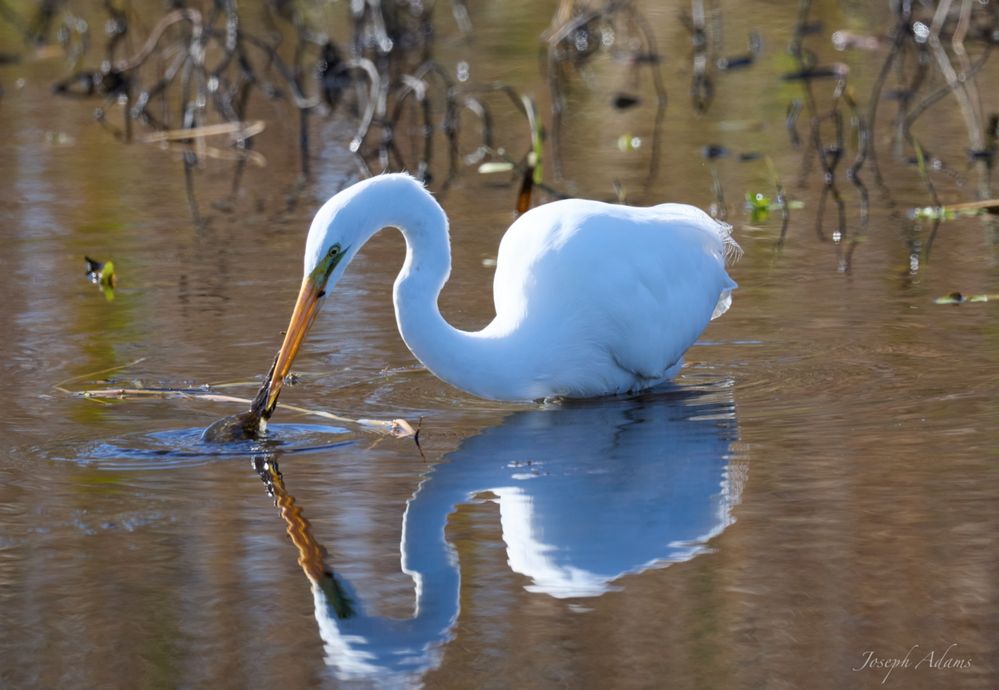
176 448
820 484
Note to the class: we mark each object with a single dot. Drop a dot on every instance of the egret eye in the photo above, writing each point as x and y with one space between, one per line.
331 260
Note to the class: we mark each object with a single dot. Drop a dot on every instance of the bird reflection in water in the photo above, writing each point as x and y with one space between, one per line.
588 492
312 555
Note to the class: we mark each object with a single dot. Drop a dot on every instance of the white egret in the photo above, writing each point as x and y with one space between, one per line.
591 298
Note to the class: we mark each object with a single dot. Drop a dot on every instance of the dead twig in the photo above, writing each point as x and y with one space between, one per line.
399 428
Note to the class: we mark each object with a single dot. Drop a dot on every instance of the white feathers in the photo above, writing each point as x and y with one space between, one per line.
591 298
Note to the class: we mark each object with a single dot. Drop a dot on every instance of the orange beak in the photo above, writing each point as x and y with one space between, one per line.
306 308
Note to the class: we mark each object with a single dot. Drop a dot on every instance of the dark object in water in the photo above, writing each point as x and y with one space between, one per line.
992 138
897 94
245 426
83 84
809 28
713 151
646 59
94 268
750 156
735 61
981 155
836 71
102 275
746 59
623 101
333 79
526 188
960 298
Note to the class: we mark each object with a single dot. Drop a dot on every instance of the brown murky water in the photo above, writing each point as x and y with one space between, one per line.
820 485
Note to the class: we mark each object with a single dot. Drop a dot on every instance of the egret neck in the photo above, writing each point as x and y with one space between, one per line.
352 218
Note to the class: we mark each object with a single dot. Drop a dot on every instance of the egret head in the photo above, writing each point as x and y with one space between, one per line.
341 227
332 242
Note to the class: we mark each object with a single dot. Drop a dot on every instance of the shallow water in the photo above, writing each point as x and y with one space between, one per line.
820 483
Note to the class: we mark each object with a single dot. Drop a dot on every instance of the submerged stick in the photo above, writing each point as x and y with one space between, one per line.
238 130
247 423
61 385
950 211
399 428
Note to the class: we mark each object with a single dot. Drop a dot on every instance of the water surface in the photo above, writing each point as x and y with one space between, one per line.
820 483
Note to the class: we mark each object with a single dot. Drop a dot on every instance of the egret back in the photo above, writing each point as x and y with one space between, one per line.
610 297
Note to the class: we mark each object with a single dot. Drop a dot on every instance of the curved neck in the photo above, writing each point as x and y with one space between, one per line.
459 357
363 646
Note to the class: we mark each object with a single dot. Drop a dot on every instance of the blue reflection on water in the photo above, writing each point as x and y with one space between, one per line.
588 492
176 448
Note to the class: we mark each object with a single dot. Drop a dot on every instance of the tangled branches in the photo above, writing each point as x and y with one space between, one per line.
195 73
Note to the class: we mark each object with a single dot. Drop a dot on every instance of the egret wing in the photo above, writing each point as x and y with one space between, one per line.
591 281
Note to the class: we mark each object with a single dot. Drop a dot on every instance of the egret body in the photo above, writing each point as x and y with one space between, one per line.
591 298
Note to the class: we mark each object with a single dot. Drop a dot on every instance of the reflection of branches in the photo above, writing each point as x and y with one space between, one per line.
195 69
927 38
827 154
825 150
702 89
580 32
529 166
853 174
211 64
36 30
899 34
781 199
963 88
417 86
791 123
375 101
719 207
175 17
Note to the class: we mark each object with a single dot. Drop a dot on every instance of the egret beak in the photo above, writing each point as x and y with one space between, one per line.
306 308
